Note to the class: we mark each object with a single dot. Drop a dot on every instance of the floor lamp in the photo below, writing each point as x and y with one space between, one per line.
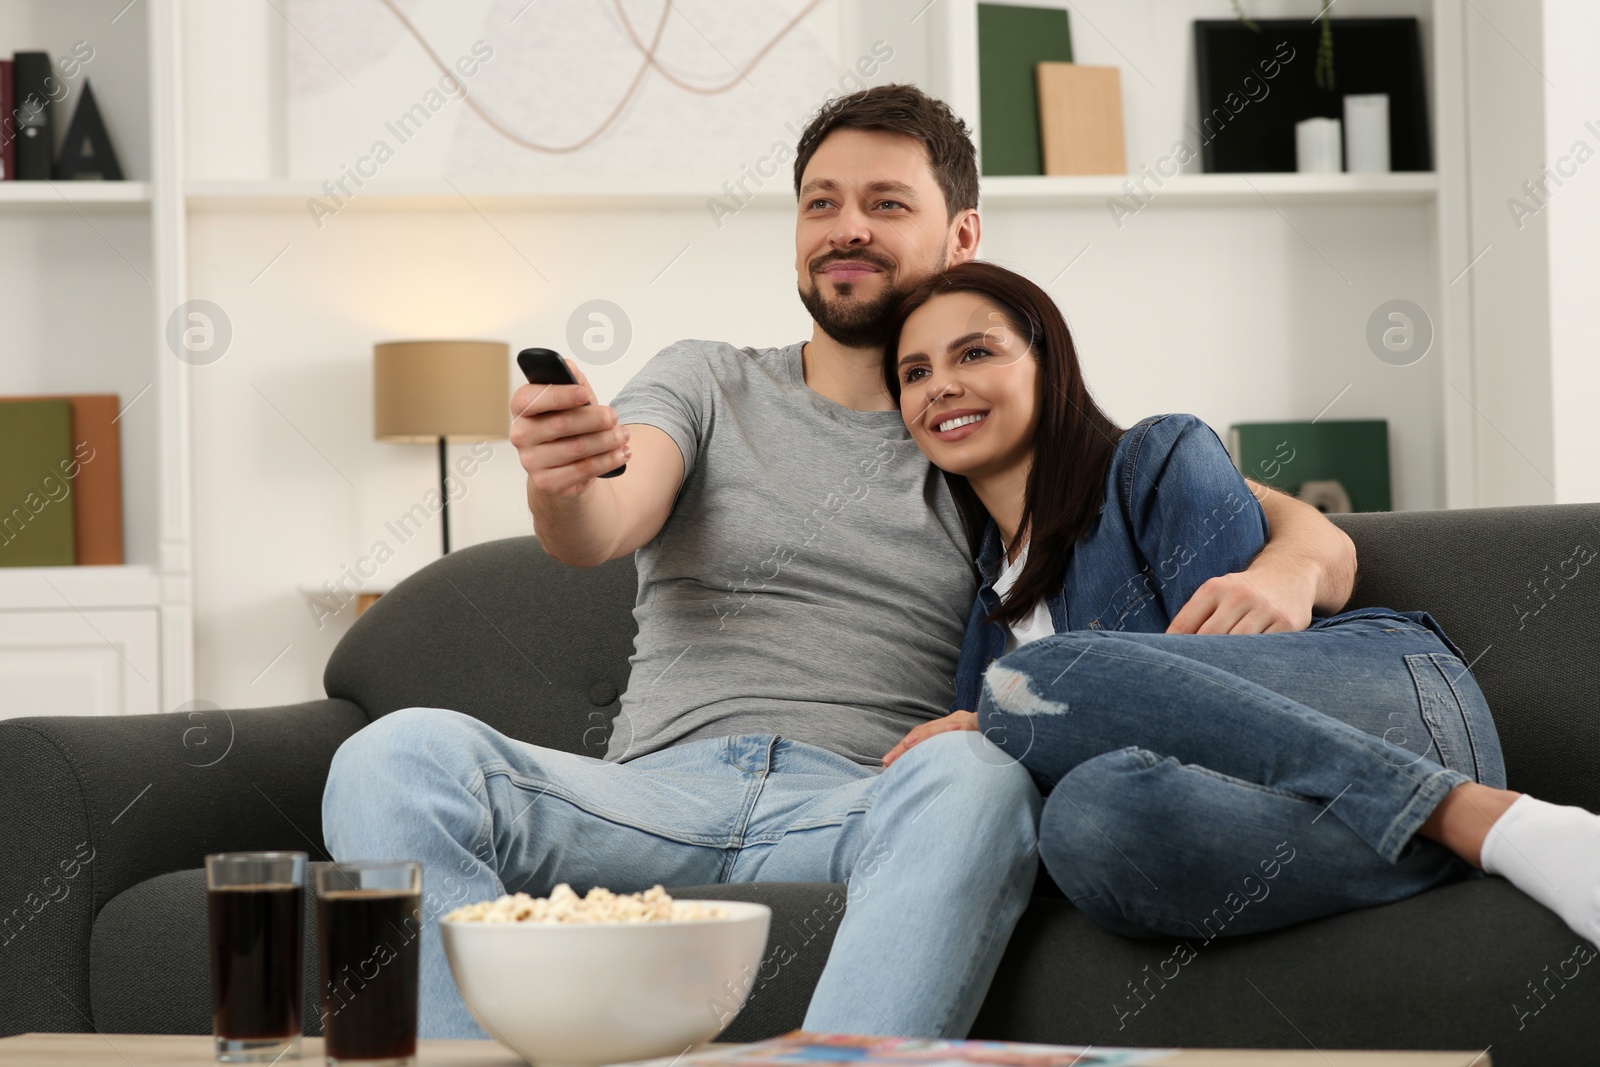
440 391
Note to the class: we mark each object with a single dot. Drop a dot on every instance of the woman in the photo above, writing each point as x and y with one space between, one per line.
1198 784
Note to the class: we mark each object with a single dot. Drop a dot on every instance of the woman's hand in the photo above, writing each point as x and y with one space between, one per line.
1308 565
956 720
1266 599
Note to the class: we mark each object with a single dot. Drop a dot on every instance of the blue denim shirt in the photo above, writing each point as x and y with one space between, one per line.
1176 513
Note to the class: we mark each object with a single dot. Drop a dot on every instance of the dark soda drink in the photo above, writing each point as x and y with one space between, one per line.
370 957
257 951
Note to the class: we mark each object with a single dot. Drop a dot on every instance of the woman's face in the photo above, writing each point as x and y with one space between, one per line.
968 386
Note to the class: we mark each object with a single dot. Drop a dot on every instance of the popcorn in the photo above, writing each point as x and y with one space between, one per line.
600 906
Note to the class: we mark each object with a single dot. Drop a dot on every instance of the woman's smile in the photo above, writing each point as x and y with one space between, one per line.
955 426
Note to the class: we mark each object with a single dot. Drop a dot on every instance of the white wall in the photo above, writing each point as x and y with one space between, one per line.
1572 115
1511 410
1533 97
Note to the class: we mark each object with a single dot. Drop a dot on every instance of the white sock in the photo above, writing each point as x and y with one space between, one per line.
1552 853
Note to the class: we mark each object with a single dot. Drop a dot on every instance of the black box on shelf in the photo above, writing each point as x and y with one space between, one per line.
1254 85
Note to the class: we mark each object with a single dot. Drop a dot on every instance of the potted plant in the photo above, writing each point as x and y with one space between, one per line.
1324 69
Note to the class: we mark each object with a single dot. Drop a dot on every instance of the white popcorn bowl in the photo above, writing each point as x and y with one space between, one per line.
583 994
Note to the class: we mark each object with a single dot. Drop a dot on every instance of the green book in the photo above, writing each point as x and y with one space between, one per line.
1286 455
36 493
1011 41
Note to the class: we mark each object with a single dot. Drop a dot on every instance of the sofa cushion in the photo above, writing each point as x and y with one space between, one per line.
1452 968
1469 966
148 971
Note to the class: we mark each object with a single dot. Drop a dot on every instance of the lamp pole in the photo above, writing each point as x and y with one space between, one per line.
444 497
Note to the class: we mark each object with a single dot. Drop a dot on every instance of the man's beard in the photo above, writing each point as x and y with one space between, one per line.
852 323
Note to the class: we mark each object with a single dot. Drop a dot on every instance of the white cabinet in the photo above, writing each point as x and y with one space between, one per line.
83 641
96 662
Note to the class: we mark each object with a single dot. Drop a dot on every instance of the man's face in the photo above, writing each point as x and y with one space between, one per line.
872 223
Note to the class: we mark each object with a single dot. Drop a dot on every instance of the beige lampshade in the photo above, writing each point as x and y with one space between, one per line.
425 390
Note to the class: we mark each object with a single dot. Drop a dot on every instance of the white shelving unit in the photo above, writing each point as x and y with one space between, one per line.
235 195
1352 190
80 194
1347 190
106 271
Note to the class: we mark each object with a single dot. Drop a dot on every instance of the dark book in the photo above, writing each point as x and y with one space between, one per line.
1012 40
8 124
87 147
30 87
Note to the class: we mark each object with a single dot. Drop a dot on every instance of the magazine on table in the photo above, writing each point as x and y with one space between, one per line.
801 1048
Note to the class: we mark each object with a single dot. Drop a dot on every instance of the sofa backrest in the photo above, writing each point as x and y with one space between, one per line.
504 633
540 650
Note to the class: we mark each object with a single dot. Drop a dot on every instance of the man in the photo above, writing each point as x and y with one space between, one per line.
803 586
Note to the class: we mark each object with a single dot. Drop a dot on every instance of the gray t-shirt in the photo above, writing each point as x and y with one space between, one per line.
813 579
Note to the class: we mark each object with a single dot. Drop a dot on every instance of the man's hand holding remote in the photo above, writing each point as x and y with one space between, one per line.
564 437
565 440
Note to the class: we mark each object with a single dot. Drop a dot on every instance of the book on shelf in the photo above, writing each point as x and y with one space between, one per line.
1012 40
801 1048
8 124
97 484
36 502
31 81
1354 453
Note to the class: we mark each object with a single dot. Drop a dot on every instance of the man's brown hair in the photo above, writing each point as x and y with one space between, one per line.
907 110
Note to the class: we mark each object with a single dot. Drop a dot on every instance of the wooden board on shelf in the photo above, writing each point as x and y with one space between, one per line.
1080 119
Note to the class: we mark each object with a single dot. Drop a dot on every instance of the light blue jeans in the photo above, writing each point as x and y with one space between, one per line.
939 851
1202 786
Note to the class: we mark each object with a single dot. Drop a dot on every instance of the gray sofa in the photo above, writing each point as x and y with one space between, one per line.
107 819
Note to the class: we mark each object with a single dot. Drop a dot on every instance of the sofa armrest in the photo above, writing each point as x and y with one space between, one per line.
96 804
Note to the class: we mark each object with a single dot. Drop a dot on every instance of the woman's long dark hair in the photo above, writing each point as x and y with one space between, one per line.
1073 445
